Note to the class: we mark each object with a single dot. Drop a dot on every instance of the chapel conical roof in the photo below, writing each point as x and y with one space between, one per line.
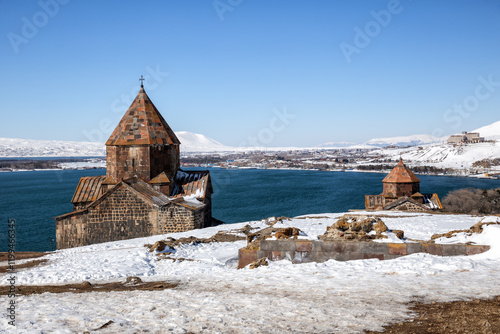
142 124
400 174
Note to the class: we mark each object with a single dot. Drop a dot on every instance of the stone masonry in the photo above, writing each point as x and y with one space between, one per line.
144 191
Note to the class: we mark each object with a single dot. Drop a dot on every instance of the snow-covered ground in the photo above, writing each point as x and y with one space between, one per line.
215 297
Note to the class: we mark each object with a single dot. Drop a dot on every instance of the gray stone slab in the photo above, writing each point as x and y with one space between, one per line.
261 254
453 250
412 248
374 247
266 245
305 257
278 245
323 246
349 256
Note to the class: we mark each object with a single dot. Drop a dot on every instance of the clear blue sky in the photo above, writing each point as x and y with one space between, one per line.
345 70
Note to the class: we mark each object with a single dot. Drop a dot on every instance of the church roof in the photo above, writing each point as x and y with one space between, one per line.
160 178
142 124
189 183
401 201
148 192
88 189
400 174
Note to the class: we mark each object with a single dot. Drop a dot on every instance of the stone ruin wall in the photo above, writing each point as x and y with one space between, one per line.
303 251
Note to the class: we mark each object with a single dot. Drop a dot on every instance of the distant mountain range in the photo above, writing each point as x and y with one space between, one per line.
10 147
193 142
414 140
491 131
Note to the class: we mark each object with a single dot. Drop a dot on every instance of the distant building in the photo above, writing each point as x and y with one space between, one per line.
465 138
144 191
402 192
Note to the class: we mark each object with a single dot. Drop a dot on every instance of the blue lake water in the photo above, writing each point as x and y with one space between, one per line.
32 198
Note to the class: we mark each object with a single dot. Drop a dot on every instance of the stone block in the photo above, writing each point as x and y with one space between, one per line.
281 245
412 248
374 248
303 245
434 249
278 255
346 246
322 246
266 254
267 245
397 249
453 250
246 257
476 249
323 256
349 256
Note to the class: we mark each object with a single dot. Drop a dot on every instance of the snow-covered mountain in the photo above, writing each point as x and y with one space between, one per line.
195 142
11 147
490 132
414 140
336 144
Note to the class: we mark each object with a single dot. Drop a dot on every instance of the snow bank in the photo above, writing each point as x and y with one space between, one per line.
213 296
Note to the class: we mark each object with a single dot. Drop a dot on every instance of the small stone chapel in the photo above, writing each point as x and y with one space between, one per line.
401 192
144 191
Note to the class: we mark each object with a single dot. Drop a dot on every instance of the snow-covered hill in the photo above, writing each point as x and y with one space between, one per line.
405 141
444 155
437 153
490 132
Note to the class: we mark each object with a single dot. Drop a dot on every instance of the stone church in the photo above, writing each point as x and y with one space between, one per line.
401 192
144 191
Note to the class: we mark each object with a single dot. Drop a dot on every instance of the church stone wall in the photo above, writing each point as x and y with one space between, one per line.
164 158
374 202
401 189
71 231
124 162
176 218
122 215
145 162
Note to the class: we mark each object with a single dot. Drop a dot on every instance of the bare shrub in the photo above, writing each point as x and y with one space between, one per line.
473 201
